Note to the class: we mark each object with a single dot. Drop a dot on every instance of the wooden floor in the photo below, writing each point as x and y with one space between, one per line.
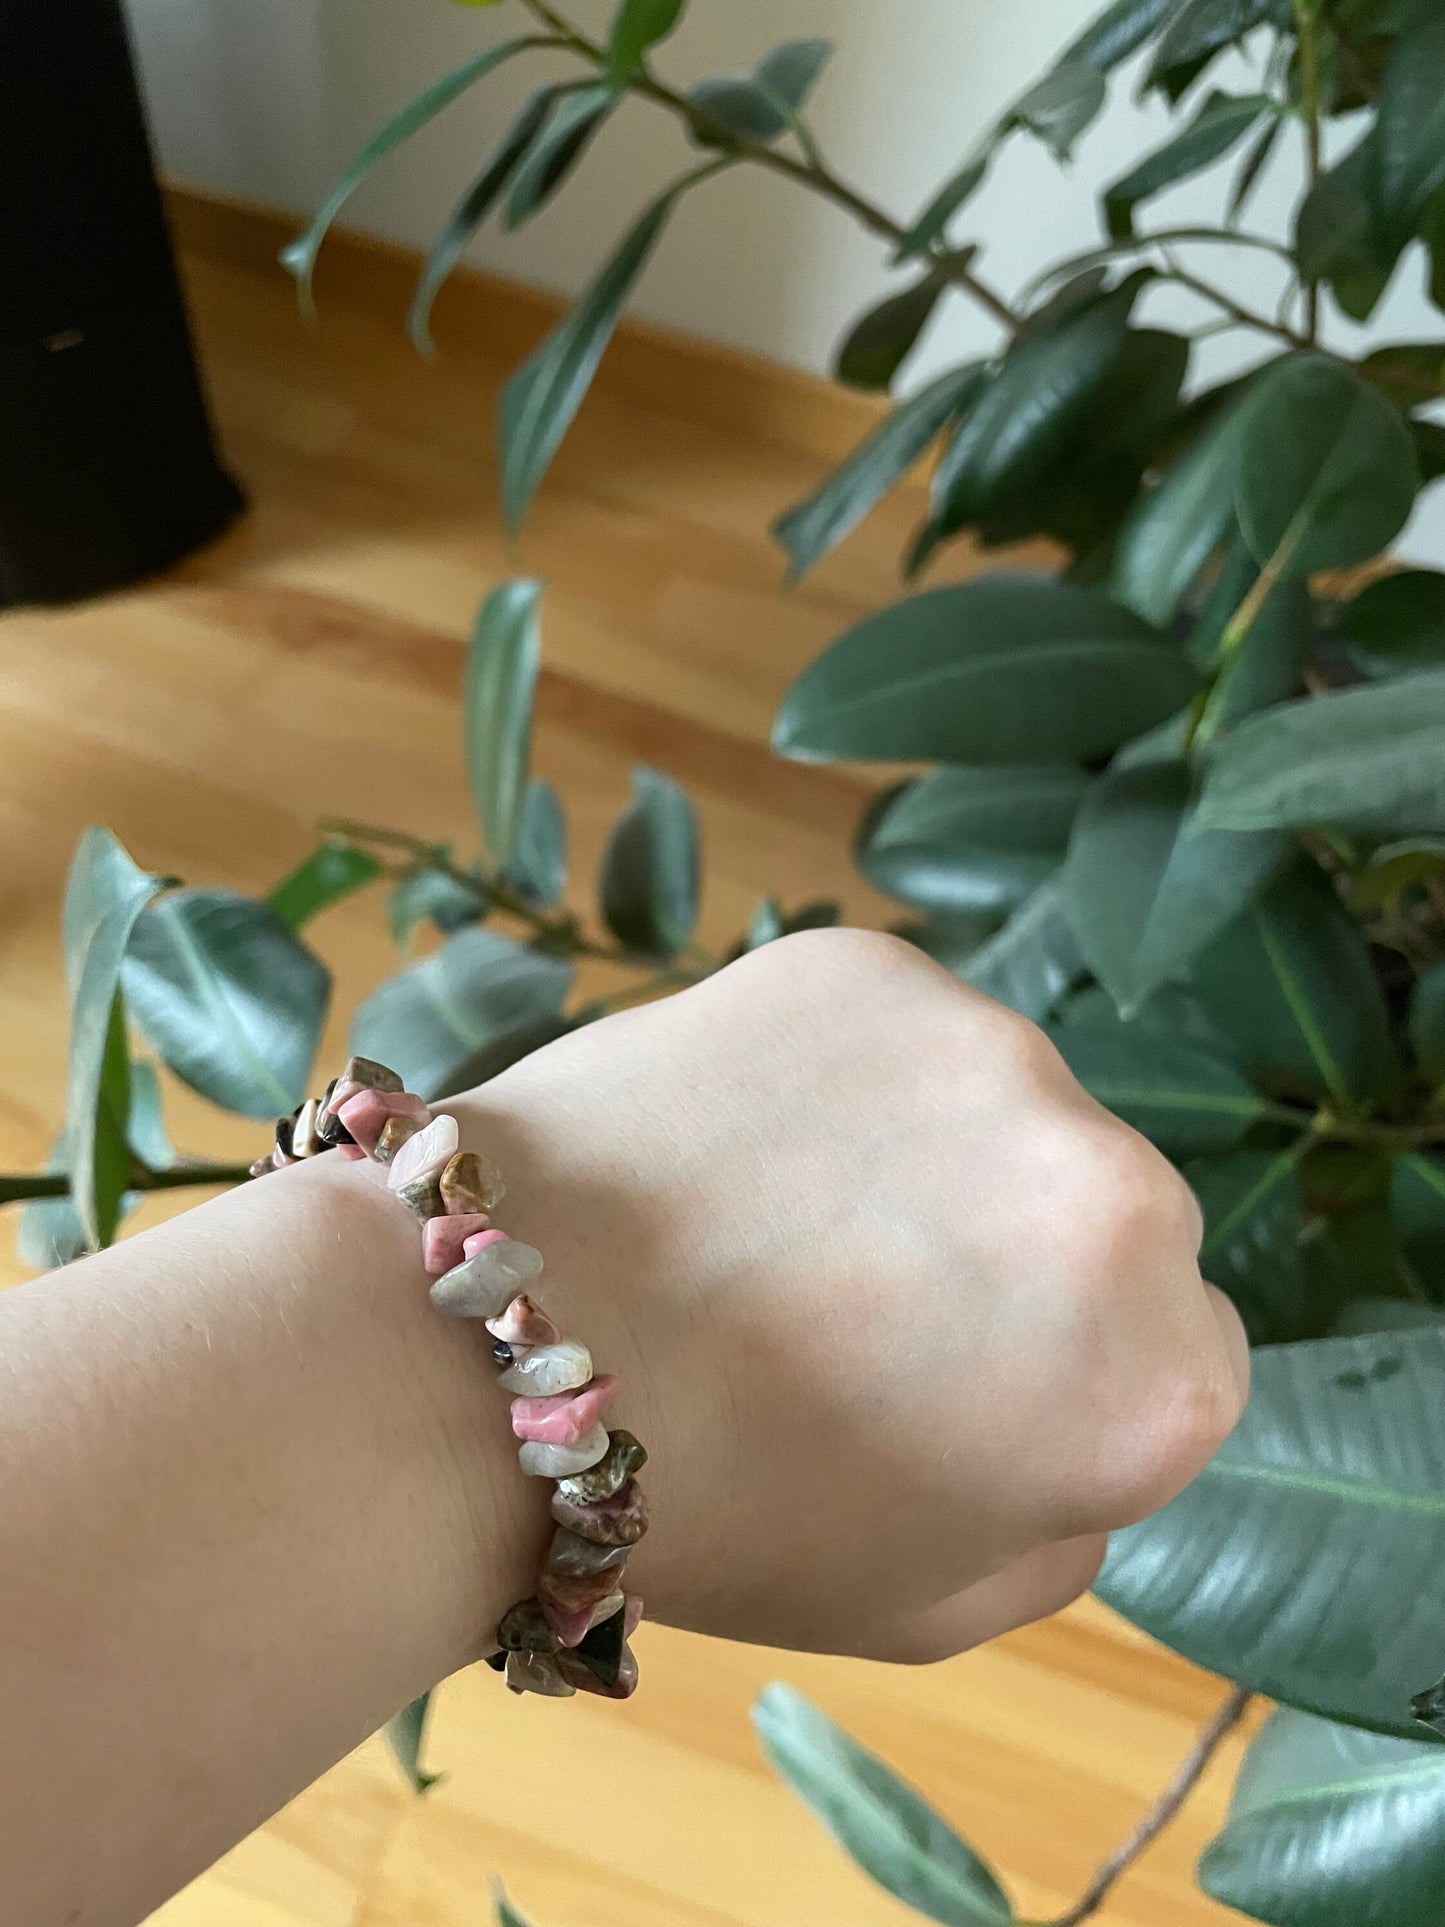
310 663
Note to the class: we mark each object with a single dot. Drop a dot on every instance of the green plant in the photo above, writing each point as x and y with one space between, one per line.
1189 814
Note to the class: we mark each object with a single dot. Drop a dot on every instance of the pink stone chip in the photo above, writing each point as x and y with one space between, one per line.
571 1625
428 1151
443 1240
365 1114
523 1323
476 1241
565 1418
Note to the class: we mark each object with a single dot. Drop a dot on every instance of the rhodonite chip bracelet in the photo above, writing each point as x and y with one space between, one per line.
572 1635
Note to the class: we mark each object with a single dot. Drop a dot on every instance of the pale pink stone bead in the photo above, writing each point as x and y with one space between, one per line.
476 1241
523 1323
570 1626
346 1088
564 1417
443 1240
428 1151
352 1153
365 1114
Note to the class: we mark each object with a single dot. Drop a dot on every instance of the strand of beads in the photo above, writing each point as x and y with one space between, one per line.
572 1634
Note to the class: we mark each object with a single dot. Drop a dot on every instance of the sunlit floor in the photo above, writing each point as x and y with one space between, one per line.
310 664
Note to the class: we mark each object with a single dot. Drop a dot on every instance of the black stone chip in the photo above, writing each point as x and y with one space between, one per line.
601 1650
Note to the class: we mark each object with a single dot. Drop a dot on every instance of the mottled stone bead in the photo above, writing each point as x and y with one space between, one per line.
364 1073
523 1323
537 1673
304 1141
562 1367
425 1153
624 1456
443 1241
572 1624
574 1591
484 1285
394 1133
422 1196
576 1557
572 1668
524 1629
619 1520
562 1461
565 1417
365 1114
471 1182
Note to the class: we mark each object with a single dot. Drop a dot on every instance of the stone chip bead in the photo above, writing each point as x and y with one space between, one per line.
563 1367
624 1456
365 1114
576 1557
524 1629
422 1197
537 1673
562 1461
523 1323
619 1520
426 1154
486 1283
394 1133
576 1673
443 1241
471 1182
564 1417
571 1592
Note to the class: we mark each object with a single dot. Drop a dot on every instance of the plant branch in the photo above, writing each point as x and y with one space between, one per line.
810 171
26 1187
1246 317
1163 1810
1304 13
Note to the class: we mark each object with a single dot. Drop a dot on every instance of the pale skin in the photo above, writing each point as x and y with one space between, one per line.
906 1320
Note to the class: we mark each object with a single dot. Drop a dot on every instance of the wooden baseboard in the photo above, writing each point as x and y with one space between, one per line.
696 380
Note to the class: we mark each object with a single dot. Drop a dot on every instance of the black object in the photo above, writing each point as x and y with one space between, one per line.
108 470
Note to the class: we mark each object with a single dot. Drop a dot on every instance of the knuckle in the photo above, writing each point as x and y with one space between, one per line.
1128 1201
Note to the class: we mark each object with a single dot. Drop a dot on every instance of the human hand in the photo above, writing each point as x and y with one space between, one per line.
907 1320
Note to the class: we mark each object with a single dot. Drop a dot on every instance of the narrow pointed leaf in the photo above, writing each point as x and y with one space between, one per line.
1118 32
507 1913
104 898
558 146
300 257
636 26
1256 159
1199 29
1033 960
1332 1827
649 881
1303 1561
332 872
1058 108
502 664
230 998
538 866
427 894
878 343
881 459
1221 122
405 1733
1410 142
1291 984
539 402
1370 758
1002 669
464 1013
932 223
877 1819
145 1127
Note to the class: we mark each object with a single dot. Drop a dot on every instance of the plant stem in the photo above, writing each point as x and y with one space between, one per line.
811 171
27 1186
1246 317
1163 1810
1304 13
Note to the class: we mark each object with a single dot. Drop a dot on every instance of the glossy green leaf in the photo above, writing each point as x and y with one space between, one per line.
878 343
1185 1099
538 866
885 1826
1363 1315
808 531
471 210
540 400
332 872
637 26
230 998
300 257
1028 411
1338 235
969 840
1172 531
464 1013
1201 28
425 894
1369 758
1033 960
556 149
763 104
1058 108
104 897
1396 625
1417 1212
1332 1827
1291 984
1254 1229
507 1914
1220 124
145 1127
1410 372
405 1733
931 225
1003 669
650 870
1427 1022
1327 469
1147 888
1303 1561
1119 31
1409 152
1256 159
501 680
1267 664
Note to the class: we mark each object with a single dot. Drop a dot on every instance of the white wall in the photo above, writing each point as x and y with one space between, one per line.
267 99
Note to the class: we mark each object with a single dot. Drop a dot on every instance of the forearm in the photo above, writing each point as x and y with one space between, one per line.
256 1496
